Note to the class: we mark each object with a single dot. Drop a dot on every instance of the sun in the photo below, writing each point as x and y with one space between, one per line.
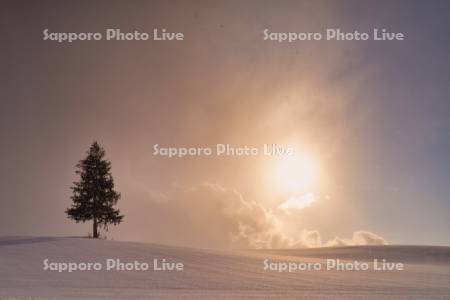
294 174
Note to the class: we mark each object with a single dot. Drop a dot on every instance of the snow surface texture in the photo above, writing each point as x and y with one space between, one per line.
215 274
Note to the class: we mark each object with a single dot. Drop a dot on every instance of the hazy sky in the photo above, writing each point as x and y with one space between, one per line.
373 118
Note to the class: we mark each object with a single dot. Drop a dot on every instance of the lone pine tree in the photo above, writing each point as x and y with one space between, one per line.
94 195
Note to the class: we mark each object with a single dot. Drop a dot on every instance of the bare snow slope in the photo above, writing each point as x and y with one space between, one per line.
213 274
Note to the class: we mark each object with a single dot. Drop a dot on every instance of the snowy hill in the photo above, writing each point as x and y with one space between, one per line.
213 274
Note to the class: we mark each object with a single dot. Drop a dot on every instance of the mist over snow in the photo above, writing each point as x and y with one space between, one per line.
212 216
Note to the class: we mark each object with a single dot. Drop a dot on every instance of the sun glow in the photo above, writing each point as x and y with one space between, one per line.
295 174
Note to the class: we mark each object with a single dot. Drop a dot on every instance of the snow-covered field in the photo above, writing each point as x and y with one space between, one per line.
213 274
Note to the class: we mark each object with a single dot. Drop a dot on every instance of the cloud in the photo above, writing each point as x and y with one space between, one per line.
211 216
298 202
338 242
359 238
367 238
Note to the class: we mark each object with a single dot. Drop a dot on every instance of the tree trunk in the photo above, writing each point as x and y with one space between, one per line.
95 231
